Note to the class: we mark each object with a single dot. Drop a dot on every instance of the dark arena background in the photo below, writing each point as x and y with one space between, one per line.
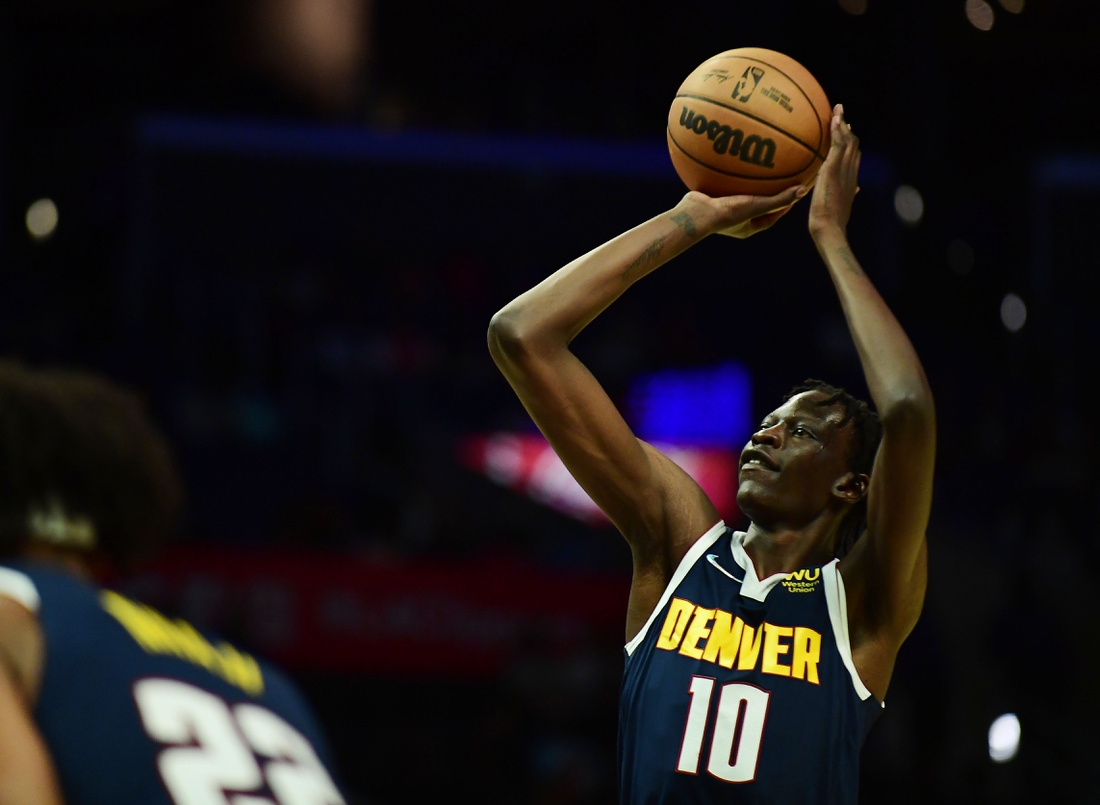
287 223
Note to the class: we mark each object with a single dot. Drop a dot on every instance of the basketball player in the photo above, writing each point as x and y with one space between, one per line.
757 661
104 701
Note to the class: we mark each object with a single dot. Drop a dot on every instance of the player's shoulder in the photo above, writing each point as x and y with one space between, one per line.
283 695
18 586
20 631
59 600
32 583
280 689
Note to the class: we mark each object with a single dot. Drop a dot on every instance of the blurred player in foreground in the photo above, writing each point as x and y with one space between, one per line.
104 701
755 662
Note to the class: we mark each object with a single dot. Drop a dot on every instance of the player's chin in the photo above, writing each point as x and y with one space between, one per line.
754 497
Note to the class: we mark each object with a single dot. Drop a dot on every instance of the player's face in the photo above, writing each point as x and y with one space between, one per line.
791 466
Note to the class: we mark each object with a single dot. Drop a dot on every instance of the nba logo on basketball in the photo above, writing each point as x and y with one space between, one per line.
742 90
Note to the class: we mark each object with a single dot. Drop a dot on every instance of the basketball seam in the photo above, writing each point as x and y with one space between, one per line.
807 146
738 175
820 125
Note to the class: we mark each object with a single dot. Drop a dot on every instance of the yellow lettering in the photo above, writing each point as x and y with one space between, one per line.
696 632
813 575
168 638
174 642
241 669
678 613
227 663
194 647
807 653
724 639
773 648
139 621
750 649
158 635
797 575
252 680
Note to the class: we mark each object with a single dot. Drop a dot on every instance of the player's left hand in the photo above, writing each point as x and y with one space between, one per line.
838 179
742 216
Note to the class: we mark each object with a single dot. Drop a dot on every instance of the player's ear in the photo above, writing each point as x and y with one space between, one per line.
851 486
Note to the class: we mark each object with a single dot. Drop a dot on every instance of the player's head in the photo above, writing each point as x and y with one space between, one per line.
811 457
82 468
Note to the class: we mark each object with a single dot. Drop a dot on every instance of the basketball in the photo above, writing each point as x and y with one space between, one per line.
748 121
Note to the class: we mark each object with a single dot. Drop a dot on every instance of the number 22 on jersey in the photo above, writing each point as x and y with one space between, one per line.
733 752
211 749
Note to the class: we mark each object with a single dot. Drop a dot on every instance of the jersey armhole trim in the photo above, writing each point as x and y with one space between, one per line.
19 587
689 560
837 601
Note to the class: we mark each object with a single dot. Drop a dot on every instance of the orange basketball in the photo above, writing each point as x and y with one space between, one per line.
748 121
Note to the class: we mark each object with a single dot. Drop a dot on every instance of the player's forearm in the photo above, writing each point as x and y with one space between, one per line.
553 312
892 369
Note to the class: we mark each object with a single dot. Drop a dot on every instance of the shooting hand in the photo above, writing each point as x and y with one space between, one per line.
838 180
742 216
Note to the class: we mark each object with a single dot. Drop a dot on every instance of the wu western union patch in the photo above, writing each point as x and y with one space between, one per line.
803 581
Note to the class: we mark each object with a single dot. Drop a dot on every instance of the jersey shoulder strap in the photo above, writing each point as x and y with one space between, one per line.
695 552
837 600
18 586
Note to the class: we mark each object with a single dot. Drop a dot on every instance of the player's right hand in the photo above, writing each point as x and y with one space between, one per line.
742 216
837 181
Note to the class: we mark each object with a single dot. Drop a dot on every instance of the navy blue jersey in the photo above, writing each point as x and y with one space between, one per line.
739 690
137 708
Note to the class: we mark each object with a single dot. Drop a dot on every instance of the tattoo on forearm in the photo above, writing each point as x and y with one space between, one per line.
685 222
652 251
850 262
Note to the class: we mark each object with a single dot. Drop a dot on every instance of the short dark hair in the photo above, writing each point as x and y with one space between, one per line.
76 443
867 433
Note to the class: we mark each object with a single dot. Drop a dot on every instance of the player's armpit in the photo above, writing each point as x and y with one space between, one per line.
27 776
899 501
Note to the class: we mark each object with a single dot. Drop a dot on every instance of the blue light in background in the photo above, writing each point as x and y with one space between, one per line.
418 147
410 147
711 407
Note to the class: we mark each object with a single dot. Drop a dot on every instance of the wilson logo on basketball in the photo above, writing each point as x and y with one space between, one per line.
753 149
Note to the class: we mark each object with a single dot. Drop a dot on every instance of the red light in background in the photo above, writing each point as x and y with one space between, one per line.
525 463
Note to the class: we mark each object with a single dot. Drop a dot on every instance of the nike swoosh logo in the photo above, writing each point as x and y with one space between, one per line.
713 559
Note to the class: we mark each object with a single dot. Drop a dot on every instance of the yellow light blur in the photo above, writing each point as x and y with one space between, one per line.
41 218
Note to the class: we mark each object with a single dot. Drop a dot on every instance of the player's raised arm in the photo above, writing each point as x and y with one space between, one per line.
886 571
656 506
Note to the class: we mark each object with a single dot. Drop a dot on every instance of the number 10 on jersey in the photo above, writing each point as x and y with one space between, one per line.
738 729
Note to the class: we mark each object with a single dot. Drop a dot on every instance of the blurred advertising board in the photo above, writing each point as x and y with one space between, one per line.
525 463
313 611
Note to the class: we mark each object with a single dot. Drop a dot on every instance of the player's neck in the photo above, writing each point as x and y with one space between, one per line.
776 548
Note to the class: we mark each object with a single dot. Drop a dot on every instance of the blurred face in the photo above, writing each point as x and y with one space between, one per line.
796 464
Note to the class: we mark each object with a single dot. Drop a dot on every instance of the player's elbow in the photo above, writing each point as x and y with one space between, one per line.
506 335
912 410
520 335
